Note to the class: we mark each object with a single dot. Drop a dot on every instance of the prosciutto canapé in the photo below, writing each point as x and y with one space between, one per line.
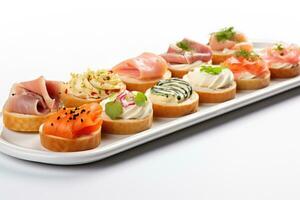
282 53
144 66
187 52
36 97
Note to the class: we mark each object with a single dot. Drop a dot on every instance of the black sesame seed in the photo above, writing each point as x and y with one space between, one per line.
81 120
58 118
82 111
51 124
70 118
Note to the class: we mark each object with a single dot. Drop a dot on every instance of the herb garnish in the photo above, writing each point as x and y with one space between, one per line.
184 45
279 47
225 34
113 109
213 70
249 55
140 99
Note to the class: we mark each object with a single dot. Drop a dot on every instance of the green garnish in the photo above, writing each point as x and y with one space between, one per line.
249 55
140 99
184 45
225 34
113 109
279 47
214 70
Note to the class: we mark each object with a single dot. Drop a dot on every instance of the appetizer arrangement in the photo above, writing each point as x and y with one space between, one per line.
250 70
186 55
72 129
91 86
224 42
127 113
214 84
173 97
283 60
142 72
30 103
72 116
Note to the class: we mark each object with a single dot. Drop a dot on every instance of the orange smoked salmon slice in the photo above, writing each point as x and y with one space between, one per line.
74 122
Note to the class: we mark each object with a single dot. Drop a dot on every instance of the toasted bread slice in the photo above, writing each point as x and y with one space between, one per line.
207 95
285 72
126 126
22 122
161 109
179 73
253 84
133 84
59 144
71 101
218 56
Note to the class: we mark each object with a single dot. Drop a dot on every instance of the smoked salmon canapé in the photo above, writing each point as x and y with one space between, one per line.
73 129
224 42
142 72
90 86
30 103
172 98
213 83
127 113
250 70
186 55
283 60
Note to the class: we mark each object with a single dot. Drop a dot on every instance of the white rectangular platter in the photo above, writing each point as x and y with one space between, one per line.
28 147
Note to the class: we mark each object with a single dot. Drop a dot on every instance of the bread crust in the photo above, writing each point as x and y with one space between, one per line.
179 73
253 84
59 144
219 57
22 122
217 96
176 110
133 84
285 73
126 126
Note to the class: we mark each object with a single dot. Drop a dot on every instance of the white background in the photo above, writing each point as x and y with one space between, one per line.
252 153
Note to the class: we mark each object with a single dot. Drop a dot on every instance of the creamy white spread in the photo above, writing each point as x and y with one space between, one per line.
201 79
186 66
246 75
282 65
131 111
170 91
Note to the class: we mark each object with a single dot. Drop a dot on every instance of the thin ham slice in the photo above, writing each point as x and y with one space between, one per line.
197 52
289 54
144 66
36 97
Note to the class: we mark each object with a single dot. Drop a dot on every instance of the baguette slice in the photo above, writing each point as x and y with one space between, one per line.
59 144
161 109
285 73
218 57
253 84
133 84
126 126
22 122
217 96
179 73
